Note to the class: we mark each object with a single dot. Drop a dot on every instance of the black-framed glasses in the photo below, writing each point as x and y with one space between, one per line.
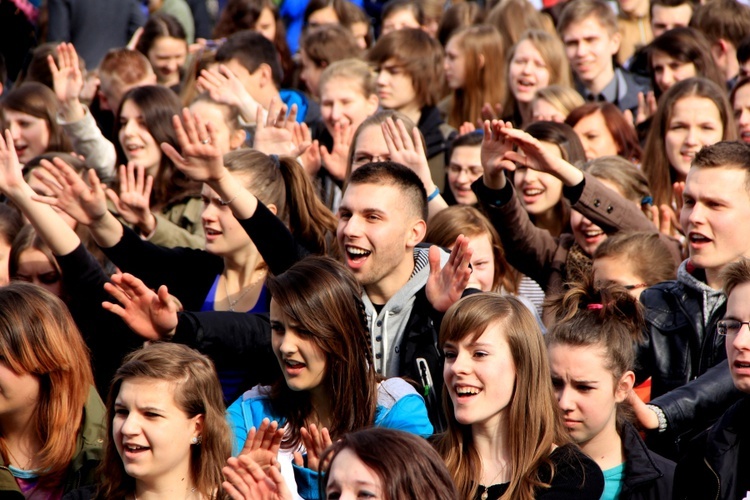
730 326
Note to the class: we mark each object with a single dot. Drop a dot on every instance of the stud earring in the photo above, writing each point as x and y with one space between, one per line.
196 440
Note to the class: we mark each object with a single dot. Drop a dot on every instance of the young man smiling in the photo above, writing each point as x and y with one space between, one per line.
683 353
590 34
381 222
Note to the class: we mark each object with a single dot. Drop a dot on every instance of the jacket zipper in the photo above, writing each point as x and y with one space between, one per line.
718 481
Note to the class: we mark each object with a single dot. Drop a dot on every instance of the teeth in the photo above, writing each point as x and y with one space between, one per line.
533 192
293 363
697 237
464 391
591 234
357 251
134 447
211 232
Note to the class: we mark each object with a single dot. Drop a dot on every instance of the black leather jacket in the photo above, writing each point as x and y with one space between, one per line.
687 362
711 467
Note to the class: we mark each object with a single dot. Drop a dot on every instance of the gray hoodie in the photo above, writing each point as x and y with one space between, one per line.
387 328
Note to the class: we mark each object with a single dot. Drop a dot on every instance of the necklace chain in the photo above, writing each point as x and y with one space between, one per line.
18 462
486 493
243 291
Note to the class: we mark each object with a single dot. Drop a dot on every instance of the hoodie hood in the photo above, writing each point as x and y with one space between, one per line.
387 326
694 278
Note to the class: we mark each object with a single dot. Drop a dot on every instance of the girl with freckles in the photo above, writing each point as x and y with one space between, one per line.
592 353
505 439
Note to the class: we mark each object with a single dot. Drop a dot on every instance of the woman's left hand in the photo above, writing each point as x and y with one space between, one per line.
151 315
315 442
536 157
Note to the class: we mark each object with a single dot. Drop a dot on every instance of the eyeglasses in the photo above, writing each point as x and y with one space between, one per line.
470 171
636 286
730 326
362 158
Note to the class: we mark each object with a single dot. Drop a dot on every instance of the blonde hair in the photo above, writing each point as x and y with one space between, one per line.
564 99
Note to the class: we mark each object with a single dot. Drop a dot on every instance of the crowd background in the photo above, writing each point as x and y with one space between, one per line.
404 249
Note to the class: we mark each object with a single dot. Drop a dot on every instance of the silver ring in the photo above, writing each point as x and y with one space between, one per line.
205 141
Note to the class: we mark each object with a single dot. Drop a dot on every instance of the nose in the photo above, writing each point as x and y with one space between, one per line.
15 130
130 128
565 398
667 78
460 364
741 341
130 426
581 48
209 213
352 227
382 78
527 66
691 138
288 343
336 113
744 117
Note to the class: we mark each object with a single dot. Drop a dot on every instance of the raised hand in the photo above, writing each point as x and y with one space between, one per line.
67 80
11 174
445 286
407 150
466 128
151 315
537 157
223 86
276 135
247 480
262 445
201 159
495 145
86 203
337 159
133 203
315 443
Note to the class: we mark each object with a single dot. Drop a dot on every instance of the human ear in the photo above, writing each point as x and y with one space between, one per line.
416 233
236 139
615 39
624 386
273 208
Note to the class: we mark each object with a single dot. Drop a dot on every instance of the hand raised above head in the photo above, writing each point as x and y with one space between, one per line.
86 203
445 286
200 158
11 175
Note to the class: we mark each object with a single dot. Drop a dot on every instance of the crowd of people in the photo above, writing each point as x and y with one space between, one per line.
329 249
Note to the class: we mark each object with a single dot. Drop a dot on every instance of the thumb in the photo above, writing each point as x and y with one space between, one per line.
434 259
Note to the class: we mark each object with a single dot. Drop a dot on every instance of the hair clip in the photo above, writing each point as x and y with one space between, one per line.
594 307
647 200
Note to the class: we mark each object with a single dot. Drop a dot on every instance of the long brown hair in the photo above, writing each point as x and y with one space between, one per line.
281 181
534 423
621 131
196 392
484 56
158 105
38 337
321 296
659 172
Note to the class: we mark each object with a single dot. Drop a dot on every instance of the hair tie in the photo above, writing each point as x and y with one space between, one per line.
275 160
594 307
647 200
